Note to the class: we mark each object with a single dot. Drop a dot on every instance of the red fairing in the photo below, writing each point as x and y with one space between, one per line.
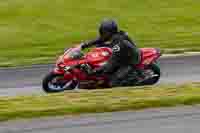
80 74
98 56
148 55
58 71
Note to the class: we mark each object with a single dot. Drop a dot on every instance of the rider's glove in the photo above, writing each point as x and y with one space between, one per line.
84 45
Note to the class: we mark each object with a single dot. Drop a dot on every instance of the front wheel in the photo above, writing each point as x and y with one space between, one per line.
55 83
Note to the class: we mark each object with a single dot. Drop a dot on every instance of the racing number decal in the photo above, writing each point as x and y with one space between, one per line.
116 48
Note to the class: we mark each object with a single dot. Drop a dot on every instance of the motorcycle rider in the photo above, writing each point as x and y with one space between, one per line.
125 53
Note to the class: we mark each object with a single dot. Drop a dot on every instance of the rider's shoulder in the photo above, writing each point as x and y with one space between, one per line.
123 33
118 36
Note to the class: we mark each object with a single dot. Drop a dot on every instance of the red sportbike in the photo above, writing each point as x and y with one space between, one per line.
73 69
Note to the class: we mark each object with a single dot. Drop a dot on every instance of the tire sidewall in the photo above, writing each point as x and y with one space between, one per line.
156 69
48 78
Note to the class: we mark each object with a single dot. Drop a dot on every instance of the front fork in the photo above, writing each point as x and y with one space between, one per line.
56 70
66 75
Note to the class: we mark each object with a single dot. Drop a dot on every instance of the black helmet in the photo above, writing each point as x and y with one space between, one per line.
108 27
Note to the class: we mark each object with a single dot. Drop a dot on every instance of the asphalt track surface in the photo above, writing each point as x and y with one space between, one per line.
174 120
27 81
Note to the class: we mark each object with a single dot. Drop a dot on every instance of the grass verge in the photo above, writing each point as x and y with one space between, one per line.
96 101
35 31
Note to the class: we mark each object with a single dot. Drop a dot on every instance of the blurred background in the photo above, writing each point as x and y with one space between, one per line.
36 31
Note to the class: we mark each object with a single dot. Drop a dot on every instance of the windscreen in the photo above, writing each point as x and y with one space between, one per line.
74 54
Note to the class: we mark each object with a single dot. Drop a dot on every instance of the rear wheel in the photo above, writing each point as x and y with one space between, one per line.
55 83
153 71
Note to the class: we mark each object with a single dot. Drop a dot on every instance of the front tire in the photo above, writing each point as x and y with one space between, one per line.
51 85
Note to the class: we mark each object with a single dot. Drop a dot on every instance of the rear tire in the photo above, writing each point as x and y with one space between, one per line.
156 70
49 87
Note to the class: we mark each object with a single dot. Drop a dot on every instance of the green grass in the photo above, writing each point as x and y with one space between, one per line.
96 101
35 31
